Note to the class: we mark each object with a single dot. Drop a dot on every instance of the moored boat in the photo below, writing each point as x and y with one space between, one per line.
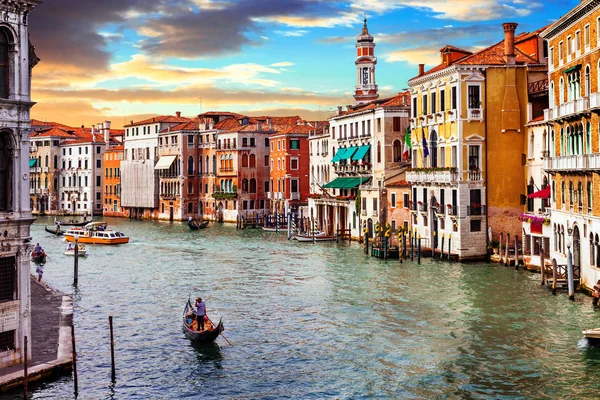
190 327
55 232
318 237
592 335
273 229
95 233
73 222
195 225
70 250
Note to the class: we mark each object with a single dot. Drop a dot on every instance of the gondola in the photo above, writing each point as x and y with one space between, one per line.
205 336
197 225
38 258
55 232
73 222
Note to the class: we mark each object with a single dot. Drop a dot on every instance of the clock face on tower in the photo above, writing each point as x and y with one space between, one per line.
365 76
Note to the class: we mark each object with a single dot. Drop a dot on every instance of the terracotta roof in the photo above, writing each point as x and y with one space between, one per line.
297 130
116 149
278 120
192 125
159 119
401 183
227 124
35 124
221 113
401 99
54 131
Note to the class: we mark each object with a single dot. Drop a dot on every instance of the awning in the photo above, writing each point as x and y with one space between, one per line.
165 162
361 152
574 68
32 162
541 194
338 155
345 183
349 153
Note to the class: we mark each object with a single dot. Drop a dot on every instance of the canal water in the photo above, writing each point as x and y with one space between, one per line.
312 321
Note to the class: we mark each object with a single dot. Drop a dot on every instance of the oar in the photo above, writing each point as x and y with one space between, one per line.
220 333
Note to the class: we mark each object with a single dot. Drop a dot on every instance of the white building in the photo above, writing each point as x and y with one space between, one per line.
139 179
15 213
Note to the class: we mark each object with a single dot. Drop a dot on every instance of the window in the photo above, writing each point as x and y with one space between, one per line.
294 163
474 98
454 157
414 107
551 58
570 49
266 142
378 152
98 180
294 144
475 225
98 163
294 185
406 199
453 98
4 64
586 36
393 200
6 161
473 157
8 279
560 52
442 100
190 140
397 124
190 165
244 160
266 160
374 204
252 161
433 102
97 149
378 124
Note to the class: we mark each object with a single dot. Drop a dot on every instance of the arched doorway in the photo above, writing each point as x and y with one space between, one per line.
220 212
576 247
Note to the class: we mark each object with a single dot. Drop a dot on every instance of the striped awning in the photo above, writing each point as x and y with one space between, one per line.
361 153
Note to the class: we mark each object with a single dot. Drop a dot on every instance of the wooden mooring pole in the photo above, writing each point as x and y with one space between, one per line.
554 274
449 245
76 263
74 359
542 265
500 245
506 250
570 283
419 250
113 375
516 252
442 249
25 372
412 247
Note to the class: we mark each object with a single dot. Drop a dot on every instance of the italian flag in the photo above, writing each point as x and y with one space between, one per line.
407 145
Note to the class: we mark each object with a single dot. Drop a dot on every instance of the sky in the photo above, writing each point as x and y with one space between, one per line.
124 60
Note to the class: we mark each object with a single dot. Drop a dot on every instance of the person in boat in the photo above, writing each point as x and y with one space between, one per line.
70 247
200 313
84 216
38 249
40 272
58 226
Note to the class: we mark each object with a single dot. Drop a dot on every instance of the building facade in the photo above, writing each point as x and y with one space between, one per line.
111 182
467 127
574 152
15 211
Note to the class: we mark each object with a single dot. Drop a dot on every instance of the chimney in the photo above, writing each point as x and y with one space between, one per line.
131 122
259 126
509 42
92 129
339 110
178 113
270 124
106 126
349 107
421 69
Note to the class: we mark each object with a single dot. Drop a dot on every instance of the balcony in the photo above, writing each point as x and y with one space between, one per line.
582 162
439 117
33 149
431 176
294 196
269 195
476 209
451 115
35 170
363 213
595 100
474 175
475 114
278 195
452 210
422 206
570 109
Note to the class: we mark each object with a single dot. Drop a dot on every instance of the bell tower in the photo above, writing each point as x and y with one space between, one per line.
366 89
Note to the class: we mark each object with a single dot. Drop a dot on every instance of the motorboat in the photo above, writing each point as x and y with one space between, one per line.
70 250
95 233
273 229
317 237
592 335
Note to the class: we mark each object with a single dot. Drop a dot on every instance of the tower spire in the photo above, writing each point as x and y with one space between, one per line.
366 89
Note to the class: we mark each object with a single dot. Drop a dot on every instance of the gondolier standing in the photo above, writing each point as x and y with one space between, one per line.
200 313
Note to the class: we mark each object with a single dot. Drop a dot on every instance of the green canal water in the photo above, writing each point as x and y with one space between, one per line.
313 321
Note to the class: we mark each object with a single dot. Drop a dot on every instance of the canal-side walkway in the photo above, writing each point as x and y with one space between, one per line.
51 351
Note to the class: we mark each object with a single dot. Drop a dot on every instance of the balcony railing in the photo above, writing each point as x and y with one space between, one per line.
582 162
453 210
294 196
451 115
475 114
431 176
423 207
439 117
269 195
374 213
363 213
474 175
476 210
570 108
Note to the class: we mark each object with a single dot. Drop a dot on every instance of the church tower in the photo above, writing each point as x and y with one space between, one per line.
366 89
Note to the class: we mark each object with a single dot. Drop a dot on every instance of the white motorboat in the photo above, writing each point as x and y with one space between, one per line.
70 251
592 335
318 237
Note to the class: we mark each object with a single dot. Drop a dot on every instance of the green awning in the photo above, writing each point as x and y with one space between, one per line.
349 152
338 155
361 152
345 183
574 68
32 162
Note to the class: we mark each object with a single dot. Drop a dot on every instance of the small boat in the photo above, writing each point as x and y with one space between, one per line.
38 257
273 229
190 327
73 222
318 237
55 232
592 335
95 233
70 251
194 225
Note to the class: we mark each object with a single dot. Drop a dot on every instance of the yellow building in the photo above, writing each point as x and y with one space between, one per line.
574 159
467 127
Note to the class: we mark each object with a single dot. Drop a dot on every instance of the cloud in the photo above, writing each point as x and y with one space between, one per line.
296 33
282 64
415 56
313 21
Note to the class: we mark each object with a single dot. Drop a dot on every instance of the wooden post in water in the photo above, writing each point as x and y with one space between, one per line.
516 252
76 262
507 247
570 282
74 359
419 250
442 250
554 274
113 375
500 245
25 372
412 247
350 233
542 264
433 245
449 245
337 235
312 220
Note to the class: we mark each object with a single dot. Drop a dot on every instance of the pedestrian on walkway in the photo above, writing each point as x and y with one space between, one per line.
40 272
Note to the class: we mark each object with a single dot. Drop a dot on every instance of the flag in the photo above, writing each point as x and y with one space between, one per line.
407 145
425 148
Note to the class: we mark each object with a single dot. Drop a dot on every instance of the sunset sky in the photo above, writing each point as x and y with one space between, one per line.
125 60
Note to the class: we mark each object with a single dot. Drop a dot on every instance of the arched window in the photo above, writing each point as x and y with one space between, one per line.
433 149
5 172
207 165
214 161
223 186
588 83
55 162
244 185
252 161
252 185
552 144
588 138
589 196
553 191
4 61
397 150
571 194
46 161
378 152
190 165
561 91
551 94
244 160
580 195
562 192
200 172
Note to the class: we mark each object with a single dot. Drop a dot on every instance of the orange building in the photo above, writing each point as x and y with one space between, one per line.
289 167
111 182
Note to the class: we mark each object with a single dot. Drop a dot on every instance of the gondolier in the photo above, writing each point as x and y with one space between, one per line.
200 313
